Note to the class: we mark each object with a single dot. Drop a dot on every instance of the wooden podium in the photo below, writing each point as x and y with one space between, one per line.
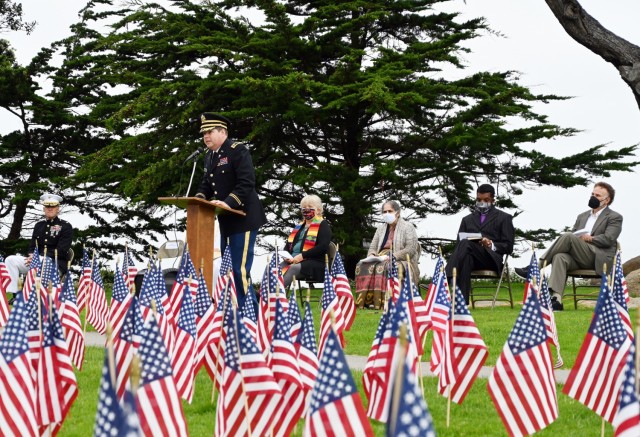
201 217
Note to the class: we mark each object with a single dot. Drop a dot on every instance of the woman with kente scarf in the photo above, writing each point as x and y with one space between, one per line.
308 243
371 272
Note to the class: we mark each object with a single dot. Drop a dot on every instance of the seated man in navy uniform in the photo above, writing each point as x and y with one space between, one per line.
51 234
229 180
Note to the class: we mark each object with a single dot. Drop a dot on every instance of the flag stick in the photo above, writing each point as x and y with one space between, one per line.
244 392
217 356
453 290
637 363
395 402
38 285
110 354
86 306
408 274
134 374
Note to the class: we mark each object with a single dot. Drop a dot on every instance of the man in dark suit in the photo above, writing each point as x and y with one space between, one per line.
52 236
591 244
486 252
229 180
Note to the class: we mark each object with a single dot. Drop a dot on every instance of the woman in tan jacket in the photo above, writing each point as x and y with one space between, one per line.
371 272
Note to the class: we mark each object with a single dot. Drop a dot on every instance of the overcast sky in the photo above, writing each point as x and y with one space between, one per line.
548 60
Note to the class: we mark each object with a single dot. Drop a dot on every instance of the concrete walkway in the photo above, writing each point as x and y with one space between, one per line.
356 362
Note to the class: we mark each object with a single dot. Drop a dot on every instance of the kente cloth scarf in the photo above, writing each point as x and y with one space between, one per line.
312 233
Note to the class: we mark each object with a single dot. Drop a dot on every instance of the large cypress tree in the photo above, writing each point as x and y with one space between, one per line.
354 101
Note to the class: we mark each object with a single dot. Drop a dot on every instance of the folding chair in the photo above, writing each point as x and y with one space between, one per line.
310 282
583 274
491 274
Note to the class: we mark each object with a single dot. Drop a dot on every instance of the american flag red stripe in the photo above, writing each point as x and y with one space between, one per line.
522 385
56 383
159 405
85 281
343 290
70 320
249 392
98 308
17 386
129 269
597 375
469 349
120 302
331 314
205 312
438 274
549 319
307 354
442 354
284 364
184 353
335 409
627 419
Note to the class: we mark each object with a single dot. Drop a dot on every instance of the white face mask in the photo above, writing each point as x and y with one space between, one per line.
389 217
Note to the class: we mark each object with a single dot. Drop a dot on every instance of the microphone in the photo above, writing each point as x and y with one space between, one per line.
193 155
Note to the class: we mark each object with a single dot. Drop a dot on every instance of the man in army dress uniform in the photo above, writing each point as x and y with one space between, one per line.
229 180
51 233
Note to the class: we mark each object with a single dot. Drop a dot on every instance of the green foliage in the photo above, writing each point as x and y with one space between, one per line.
356 102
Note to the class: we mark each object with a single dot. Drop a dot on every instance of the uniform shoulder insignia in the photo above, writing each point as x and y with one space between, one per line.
240 143
234 145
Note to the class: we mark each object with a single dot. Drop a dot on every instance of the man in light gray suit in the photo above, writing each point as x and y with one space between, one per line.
592 243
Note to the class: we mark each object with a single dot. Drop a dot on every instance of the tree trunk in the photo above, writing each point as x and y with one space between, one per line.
587 31
18 218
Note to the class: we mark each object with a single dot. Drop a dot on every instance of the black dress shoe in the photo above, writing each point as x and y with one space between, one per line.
12 300
522 272
556 305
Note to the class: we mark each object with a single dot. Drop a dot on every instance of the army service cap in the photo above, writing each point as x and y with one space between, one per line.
209 121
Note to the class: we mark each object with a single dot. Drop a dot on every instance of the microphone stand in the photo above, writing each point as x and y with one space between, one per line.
193 172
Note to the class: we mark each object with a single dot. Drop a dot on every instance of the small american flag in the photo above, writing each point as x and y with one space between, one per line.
271 280
626 422
226 265
185 271
205 311
159 405
469 349
438 275
56 383
129 269
372 383
393 281
410 416
596 377
442 354
184 352
97 309
420 319
154 289
18 414
343 290
621 295
85 280
120 301
249 315
70 319
34 270
335 407
284 364
111 417
5 279
329 305
50 277
385 366
126 343
307 353
522 385
294 315
534 272
549 319
212 362
249 395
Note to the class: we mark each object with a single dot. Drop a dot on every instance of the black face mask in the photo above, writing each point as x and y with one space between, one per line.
594 202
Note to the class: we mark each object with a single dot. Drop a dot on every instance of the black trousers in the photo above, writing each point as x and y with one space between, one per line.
468 255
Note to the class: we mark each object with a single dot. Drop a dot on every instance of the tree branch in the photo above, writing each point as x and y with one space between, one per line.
588 31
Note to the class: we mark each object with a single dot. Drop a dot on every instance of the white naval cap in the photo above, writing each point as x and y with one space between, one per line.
49 199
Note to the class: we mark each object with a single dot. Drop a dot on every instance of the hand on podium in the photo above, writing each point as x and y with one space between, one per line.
220 203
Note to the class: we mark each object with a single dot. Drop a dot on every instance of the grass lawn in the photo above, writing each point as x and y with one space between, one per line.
475 417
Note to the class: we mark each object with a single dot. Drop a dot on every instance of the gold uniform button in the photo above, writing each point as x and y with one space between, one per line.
211 175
